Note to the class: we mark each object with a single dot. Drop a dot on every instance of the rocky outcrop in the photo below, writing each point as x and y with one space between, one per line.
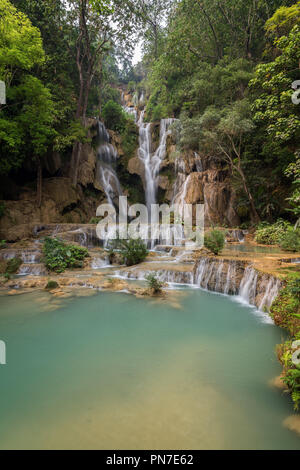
86 171
205 180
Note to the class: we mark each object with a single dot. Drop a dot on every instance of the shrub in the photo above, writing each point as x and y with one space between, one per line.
2 244
285 311
59 256
114 116
271 234
95 220
214 241
130 139
51 285
13 266
131 86
132 251
154 283
290 240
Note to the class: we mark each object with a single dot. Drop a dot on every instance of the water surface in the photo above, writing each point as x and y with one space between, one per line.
111 371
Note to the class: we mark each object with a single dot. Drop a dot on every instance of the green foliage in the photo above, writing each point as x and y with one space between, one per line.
114 116
130 139
154 284
214 241
51 285
75 132
283 20
293 170
133 251
272 234
290 240
285 308
95 220
26 124
13 266
20 43
131 87
2 244
58 256
273 107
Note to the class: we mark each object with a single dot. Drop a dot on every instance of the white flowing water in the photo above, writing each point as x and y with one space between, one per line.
107 159
219 276
248 286
271 293
152 161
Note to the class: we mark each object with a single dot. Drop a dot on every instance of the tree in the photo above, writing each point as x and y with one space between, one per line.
224 131
100 24
283 20
26 121
293 171
154 14
21 45
272 84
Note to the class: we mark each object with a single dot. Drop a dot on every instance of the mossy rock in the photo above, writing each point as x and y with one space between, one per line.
13 266
52 285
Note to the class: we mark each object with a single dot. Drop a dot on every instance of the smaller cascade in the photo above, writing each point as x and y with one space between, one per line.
271 292
248 286
31 257
165 276
230 286
100 263
198 163
32 270
107 159
219 276
131 111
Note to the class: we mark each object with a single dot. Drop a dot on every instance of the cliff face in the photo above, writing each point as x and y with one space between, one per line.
61 202
186 177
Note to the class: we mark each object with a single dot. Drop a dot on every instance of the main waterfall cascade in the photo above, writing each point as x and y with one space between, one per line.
152 161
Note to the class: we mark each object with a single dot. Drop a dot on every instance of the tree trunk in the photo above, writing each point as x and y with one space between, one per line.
77 147
254 212
39 183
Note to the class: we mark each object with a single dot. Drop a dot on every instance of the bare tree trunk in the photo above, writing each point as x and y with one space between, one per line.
254 212
39 188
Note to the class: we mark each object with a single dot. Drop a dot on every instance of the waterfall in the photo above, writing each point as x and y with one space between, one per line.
248 285
219 276
168 276
32 270
100 263
151 161
131 111
271 293
180 195
107 159
230 286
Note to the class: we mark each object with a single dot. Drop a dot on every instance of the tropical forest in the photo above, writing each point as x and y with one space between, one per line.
150 226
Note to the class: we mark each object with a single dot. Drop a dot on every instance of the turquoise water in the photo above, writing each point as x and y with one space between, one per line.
110 371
